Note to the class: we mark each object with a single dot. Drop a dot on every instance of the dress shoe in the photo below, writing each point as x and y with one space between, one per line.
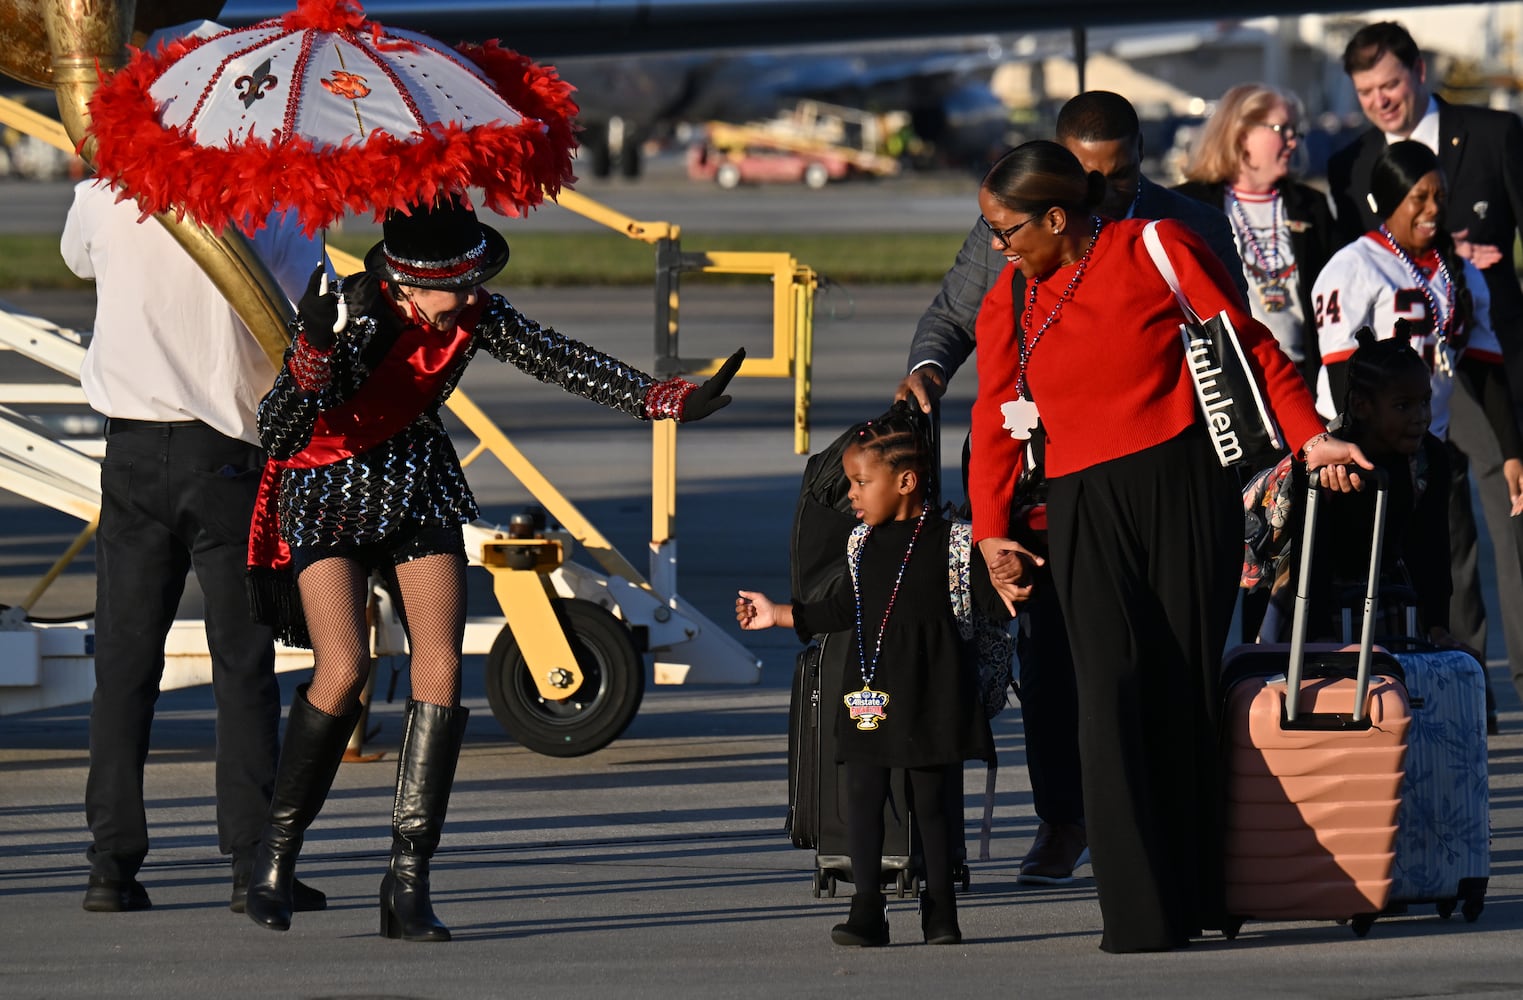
306 898
866 926
1059 848
105 895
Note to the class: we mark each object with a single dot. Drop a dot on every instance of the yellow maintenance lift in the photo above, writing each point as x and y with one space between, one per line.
566 661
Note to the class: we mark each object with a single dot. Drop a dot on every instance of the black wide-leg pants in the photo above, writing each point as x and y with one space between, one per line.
1146 550
175 497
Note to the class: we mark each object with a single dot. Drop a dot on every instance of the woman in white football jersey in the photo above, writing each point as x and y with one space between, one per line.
1404 279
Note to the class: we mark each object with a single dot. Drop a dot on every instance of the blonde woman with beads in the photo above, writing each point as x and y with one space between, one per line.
1241 164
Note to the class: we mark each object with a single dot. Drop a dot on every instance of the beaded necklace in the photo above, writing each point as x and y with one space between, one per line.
1441 333
866 706
1025 349
1272 291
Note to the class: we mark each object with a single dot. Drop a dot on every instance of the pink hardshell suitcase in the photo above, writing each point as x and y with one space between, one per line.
1313 782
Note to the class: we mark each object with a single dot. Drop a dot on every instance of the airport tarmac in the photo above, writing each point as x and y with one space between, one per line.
657 867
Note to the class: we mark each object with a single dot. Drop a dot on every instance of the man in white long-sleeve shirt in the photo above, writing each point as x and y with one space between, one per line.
178 378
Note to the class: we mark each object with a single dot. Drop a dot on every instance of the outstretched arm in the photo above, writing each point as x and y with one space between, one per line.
754 611
539 351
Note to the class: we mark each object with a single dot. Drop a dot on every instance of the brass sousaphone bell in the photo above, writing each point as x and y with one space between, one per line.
59 44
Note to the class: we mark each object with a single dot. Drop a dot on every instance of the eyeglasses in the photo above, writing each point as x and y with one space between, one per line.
1286 132
1003 235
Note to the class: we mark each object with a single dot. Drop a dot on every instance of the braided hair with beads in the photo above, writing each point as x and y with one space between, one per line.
902 439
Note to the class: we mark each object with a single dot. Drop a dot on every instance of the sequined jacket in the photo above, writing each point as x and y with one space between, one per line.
414 476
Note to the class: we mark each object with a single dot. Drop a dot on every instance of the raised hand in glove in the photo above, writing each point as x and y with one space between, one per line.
681 400
322 312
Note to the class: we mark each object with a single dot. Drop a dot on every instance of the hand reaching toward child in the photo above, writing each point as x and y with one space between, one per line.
754 611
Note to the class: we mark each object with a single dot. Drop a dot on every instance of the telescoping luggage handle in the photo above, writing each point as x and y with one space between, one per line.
1303 588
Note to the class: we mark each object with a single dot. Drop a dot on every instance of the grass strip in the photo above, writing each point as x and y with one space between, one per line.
30 262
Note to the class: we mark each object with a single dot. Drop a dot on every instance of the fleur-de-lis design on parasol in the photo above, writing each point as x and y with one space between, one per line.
251 86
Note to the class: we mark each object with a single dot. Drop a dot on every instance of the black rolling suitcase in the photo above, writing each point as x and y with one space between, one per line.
817 812
816 796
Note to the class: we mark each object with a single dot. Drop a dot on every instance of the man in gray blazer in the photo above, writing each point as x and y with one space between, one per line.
1102 130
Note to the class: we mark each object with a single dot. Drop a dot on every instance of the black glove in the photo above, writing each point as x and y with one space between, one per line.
706 398
360 293
318 312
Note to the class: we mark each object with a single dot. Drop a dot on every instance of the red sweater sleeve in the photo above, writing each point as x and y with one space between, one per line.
994 465
1206 284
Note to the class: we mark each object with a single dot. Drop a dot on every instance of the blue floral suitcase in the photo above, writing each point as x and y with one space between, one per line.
1443 844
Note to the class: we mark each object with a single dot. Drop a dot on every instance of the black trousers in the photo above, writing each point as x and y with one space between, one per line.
1048 693
1049 705
1146 550
175 497
1470 432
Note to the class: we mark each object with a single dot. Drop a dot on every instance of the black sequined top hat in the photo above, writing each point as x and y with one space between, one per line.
437 246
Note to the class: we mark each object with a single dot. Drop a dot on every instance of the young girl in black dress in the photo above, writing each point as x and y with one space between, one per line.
909 698
1386 411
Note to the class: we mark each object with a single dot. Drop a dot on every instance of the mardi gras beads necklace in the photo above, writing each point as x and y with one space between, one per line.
1021 411
1442 358
866 706
1269 264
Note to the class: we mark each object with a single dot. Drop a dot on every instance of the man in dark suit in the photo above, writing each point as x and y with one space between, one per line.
1481 154
1102 130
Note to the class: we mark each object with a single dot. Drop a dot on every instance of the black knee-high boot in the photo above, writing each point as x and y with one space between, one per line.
309 758
431 738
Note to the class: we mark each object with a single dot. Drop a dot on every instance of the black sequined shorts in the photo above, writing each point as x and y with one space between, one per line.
409 542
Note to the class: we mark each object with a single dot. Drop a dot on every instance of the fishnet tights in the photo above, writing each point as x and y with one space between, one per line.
431 597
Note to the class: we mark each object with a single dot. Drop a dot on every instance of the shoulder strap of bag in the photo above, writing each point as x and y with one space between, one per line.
1160 257
959 558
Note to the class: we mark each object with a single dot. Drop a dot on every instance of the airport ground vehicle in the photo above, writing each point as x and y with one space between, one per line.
814 144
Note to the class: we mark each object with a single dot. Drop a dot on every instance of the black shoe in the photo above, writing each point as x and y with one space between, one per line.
306 898
1059 848
866 927
106 895
938 921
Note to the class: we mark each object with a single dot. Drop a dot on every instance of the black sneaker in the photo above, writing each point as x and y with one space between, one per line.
106 895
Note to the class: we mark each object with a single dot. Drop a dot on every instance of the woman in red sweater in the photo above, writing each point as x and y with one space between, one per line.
1145 527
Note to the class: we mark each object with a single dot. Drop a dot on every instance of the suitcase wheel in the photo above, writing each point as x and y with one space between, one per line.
830 881
1230 928
1446 908
1362 923
1473 892
904 884
819 883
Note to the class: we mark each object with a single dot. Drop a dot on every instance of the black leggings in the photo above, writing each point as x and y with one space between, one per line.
866 792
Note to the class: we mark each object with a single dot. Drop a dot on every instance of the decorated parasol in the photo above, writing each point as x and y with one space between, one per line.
326 113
